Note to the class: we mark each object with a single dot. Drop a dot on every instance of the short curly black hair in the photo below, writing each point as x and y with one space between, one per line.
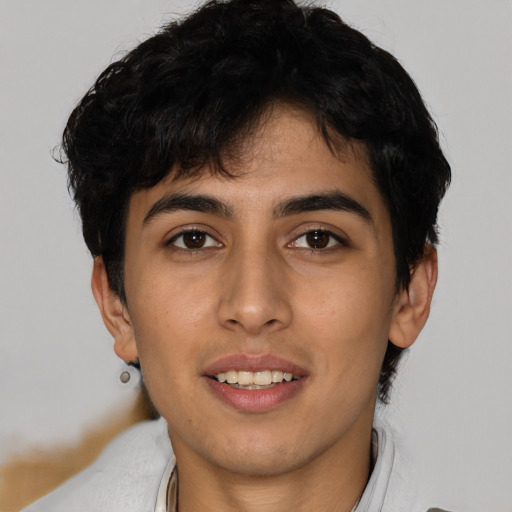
181 98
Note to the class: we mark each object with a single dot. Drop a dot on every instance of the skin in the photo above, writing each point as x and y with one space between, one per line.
257 287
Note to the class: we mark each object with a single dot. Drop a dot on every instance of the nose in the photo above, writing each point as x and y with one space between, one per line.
254 294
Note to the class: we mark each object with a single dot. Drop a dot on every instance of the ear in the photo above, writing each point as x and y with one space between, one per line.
114 312
412 306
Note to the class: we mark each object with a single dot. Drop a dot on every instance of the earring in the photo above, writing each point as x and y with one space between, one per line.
126 374
125 377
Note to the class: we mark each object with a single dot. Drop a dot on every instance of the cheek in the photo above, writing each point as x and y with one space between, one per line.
164 316
350 304
167 310
348 320
169 299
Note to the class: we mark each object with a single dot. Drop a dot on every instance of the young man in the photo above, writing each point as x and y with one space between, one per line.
259 186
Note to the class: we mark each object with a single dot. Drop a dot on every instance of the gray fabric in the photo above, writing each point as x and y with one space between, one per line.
125 477
129 473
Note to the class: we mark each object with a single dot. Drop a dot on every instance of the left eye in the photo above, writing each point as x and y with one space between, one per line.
194 239
316 239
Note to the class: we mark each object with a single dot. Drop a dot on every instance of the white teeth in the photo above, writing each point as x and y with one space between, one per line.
262 378
254 379
277 376
232 377
245 378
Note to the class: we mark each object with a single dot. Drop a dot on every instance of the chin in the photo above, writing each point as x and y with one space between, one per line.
260 465
257 456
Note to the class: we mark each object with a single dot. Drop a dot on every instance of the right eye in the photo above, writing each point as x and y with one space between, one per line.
318 240
193 239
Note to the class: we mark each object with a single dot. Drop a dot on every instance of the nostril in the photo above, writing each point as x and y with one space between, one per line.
252 313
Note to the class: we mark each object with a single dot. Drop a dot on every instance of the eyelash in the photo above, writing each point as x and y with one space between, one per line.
190 232
331 237
332 240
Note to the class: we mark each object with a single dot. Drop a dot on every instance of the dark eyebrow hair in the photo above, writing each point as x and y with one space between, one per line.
323 201
199 203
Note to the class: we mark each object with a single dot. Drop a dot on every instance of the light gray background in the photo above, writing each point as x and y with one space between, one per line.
453 399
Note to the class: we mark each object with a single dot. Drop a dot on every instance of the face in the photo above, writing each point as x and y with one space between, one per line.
260 306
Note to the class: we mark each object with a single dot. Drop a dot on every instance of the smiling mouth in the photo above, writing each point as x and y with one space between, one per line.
263 379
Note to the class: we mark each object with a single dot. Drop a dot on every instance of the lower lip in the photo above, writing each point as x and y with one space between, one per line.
255 400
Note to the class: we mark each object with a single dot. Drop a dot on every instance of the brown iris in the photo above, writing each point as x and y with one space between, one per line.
194 239
318 239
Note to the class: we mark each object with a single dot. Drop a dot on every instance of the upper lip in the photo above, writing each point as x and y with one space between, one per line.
253 363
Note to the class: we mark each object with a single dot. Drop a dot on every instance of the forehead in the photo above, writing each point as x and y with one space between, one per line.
284 156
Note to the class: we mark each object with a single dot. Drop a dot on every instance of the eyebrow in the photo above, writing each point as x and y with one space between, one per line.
337 201
323 201
198 203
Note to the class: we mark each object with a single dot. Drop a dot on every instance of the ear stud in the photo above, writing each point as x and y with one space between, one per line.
125 377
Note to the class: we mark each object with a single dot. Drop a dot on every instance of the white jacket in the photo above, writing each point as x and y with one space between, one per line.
134 468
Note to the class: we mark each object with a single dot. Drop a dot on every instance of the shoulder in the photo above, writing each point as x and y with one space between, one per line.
393 485
126 475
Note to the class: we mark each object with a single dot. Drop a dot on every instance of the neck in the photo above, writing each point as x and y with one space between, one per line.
332 482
